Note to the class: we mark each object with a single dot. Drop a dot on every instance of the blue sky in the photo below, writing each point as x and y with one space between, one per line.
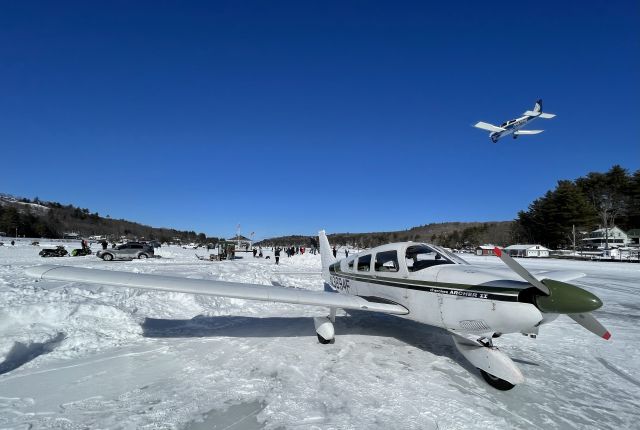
349 116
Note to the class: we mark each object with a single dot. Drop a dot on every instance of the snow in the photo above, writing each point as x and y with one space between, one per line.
76 356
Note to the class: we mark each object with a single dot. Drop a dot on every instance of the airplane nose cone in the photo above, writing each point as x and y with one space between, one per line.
567 299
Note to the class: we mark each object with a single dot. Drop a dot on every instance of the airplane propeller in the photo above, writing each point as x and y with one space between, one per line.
568 299
589 322
524 273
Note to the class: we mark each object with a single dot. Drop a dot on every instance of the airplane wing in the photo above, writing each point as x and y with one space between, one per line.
208 287
488 127
525 132
559 275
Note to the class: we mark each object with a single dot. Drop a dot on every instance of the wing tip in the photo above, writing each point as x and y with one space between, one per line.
606 336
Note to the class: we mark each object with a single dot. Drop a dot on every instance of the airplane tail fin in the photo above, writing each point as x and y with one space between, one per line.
538 106
326 255
537 111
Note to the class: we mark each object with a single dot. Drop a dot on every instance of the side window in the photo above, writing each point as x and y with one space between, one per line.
136 246
350 264
387 261
364 263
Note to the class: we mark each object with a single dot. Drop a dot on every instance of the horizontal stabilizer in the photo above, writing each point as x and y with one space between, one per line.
531 113
488 127
523 132
547 115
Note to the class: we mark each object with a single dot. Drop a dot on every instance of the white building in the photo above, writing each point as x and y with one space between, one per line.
486 249
597 240
527 251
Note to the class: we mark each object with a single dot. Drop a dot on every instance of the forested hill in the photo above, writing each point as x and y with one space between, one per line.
450 234
36 218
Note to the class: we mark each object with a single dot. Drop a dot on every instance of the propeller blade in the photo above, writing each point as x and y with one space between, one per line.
589 322
524 273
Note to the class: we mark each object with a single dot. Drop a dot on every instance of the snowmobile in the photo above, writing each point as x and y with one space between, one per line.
79 252
58 251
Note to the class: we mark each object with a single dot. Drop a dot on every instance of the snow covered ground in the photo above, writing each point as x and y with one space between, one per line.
73 356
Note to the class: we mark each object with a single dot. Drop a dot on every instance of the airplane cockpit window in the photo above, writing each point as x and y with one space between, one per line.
450 255
364 263
420 257
387 261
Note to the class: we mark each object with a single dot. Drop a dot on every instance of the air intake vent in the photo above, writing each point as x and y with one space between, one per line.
474 325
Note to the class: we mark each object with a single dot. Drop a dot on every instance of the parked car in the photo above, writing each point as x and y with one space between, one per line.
127 251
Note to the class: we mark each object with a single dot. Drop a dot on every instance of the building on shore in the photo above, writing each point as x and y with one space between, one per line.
531 251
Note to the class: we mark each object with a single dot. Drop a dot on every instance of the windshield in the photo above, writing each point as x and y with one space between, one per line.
419 257
450 255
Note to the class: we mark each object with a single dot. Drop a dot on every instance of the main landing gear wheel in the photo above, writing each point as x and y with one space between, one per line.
495 382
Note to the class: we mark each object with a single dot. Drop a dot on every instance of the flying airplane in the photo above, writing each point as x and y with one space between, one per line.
513 126
417 281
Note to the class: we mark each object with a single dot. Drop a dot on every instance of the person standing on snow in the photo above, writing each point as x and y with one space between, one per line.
277 255
346 253
335 252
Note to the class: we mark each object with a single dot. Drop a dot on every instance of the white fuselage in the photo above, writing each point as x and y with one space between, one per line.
449 294
511 127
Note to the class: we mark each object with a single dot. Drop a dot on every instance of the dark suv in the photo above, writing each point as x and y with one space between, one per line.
127 251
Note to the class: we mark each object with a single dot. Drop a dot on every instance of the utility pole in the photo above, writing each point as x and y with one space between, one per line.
574 239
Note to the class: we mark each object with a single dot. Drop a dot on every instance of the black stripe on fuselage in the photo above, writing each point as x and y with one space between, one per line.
457 290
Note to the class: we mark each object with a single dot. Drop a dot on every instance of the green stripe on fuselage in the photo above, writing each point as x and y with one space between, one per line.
466 290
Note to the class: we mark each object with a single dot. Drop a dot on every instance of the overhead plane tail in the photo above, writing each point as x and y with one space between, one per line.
538 106
326 255
537 111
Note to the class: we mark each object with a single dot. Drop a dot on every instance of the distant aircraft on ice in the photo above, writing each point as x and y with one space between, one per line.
513 126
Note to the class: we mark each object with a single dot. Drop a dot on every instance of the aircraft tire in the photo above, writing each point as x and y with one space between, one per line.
495 382
324 341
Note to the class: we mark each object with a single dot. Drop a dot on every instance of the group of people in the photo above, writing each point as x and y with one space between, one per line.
335 252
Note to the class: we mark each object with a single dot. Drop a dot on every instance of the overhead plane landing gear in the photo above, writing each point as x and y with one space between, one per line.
324 327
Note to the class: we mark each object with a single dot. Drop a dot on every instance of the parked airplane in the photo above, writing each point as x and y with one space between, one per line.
417 281
513 126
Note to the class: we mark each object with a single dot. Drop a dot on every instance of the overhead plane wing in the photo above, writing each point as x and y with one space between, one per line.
525 132
488 127
212 288
539 114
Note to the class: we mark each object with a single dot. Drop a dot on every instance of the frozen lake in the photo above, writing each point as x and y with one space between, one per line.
101 357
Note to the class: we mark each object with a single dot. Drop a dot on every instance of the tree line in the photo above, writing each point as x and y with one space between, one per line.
582 205
35 218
